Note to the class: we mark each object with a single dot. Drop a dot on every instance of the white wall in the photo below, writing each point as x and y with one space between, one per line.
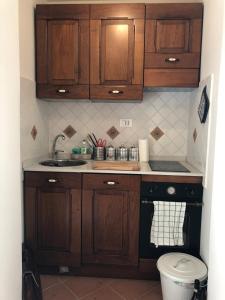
213 221
10 173
211 59
33 111
217 244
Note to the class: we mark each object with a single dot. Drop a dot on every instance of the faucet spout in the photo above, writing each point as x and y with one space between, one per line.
54 151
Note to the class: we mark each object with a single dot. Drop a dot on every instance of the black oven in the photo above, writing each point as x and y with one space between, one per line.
178 192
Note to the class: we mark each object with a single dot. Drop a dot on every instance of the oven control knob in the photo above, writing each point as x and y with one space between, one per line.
171 190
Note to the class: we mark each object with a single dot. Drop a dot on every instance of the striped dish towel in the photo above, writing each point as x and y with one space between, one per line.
167 223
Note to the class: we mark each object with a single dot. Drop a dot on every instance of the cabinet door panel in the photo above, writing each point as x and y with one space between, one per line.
173 45
116 50
117 44
63 52
41 51
110 222
172 36
53 220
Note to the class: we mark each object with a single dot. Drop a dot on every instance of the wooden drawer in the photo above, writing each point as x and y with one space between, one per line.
111 181
173 61
171 77
63 92
52 179
113 92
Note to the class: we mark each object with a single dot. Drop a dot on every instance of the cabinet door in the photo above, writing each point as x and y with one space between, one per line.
110 220
173 44
116 51
62 49
53 224
63 44
117 42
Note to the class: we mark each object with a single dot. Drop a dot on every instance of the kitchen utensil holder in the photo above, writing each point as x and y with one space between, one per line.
99 153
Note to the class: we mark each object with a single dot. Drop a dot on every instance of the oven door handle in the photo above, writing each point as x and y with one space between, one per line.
146 202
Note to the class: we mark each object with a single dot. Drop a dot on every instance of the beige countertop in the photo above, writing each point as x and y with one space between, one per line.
34 166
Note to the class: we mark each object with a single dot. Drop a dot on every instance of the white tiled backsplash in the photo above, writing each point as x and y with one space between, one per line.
33 115
168 110
198 137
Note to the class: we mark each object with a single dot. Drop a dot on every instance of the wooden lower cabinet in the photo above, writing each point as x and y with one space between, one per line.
110 219
52 210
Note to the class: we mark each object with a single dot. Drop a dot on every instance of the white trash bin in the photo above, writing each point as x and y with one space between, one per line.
178 272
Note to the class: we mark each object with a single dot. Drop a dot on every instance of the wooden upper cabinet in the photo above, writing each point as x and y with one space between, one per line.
116 51
62 51
173 44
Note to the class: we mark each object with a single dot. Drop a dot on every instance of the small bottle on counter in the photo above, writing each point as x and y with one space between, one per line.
84 148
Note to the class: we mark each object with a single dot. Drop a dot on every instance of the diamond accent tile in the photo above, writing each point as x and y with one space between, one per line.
113 132
34 132
69 131
157 133
195 135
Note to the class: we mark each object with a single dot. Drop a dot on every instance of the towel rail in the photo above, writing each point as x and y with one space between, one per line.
198 204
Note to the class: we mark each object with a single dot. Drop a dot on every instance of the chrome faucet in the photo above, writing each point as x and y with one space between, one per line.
54 151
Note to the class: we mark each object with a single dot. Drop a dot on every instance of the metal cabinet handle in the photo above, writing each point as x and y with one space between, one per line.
62 91
115 92
111 182
51 180
172 60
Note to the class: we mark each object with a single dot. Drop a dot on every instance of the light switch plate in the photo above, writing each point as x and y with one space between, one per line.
125 122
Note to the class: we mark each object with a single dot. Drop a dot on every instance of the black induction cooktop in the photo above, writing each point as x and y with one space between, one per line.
167 166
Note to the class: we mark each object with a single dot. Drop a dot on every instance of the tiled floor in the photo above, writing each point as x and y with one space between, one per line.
90 288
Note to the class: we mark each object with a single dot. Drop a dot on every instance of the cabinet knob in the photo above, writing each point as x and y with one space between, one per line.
172 60
62 91
111 182
51 180
115 92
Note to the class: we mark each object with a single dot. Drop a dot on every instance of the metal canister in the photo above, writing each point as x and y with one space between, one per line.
99 153
133 153
110 153
122 153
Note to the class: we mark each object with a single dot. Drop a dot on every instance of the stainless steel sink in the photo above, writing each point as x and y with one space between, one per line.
62 163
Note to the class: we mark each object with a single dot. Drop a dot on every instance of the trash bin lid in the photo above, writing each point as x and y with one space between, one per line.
182 267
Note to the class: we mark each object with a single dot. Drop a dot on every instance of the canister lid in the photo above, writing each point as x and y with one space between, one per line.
182 267
122 147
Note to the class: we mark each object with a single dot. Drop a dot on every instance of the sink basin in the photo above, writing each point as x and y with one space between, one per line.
62 163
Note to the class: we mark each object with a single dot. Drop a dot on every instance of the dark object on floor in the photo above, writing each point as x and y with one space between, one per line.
167 166
31 277
200 290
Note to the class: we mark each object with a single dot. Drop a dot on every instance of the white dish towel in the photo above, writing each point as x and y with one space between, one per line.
167 223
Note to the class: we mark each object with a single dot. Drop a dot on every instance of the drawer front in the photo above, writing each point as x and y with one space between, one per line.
171 77
52 179
111 181
63 92
173 61
113 92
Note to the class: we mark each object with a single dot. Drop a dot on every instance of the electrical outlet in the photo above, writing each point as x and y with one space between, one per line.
125 122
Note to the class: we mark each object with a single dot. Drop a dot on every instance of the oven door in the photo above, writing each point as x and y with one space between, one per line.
191 232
